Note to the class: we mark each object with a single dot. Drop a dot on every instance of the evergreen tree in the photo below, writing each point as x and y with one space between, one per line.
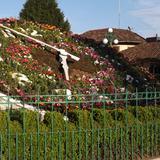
44 11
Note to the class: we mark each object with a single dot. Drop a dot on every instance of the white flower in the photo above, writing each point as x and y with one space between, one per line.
122 89
65 118
129 78
101 63
42 114
49 77
106 97
21 78
1 59
34 33
96 62
9 33
22 30
100 97
4 34
112 60
68 94
49 69
28 56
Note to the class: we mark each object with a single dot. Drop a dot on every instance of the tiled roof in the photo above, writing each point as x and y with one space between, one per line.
143 51
123 35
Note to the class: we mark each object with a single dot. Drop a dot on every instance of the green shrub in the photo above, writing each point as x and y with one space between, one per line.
143 114
29 120
84 135
54 120
81 118
3 122
60 134
155 112
123 117
103 118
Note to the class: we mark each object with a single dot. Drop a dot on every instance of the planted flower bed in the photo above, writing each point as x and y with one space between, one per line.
42 67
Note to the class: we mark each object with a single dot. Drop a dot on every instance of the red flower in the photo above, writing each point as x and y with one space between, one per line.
20 92
25 60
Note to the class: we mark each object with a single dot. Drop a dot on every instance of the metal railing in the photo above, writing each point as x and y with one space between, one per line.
118 126
114 99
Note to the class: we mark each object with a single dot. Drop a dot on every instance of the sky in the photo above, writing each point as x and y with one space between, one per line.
142 16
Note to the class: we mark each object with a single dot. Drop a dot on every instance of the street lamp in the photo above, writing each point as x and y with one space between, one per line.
110 38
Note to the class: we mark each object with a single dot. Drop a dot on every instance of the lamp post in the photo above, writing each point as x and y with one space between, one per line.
110 38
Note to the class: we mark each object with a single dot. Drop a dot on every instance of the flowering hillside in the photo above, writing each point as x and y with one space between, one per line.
28 67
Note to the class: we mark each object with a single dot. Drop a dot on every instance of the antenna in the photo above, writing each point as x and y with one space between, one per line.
119 13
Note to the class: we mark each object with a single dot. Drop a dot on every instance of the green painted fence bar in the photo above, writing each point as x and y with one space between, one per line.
31 146
1 146
16 146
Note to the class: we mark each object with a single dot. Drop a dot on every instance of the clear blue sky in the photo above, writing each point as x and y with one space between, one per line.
143 16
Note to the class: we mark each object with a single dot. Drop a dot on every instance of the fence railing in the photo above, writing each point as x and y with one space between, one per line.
119 126
97 100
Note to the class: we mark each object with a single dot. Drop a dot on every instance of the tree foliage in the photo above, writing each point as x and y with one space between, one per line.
44 11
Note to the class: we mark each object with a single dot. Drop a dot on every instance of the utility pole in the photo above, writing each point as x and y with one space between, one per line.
119 13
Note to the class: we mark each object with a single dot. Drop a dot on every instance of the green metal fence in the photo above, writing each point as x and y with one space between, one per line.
118 126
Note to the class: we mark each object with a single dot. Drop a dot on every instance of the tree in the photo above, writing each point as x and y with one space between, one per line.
44 11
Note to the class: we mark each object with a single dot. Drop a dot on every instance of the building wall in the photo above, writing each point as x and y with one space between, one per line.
121 47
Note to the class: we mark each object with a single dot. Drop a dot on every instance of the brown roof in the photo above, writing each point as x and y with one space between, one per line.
123 35
143 51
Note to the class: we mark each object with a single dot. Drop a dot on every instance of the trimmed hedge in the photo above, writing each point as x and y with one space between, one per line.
117 133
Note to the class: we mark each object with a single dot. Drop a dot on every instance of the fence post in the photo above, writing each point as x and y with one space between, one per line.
127 139
52 129
137 125
137 96
31 146
132 143
8 126
147 96
79 128
16 146
104 125
1 146
116 110
73 145
59 145
92 128
155 97
66 129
